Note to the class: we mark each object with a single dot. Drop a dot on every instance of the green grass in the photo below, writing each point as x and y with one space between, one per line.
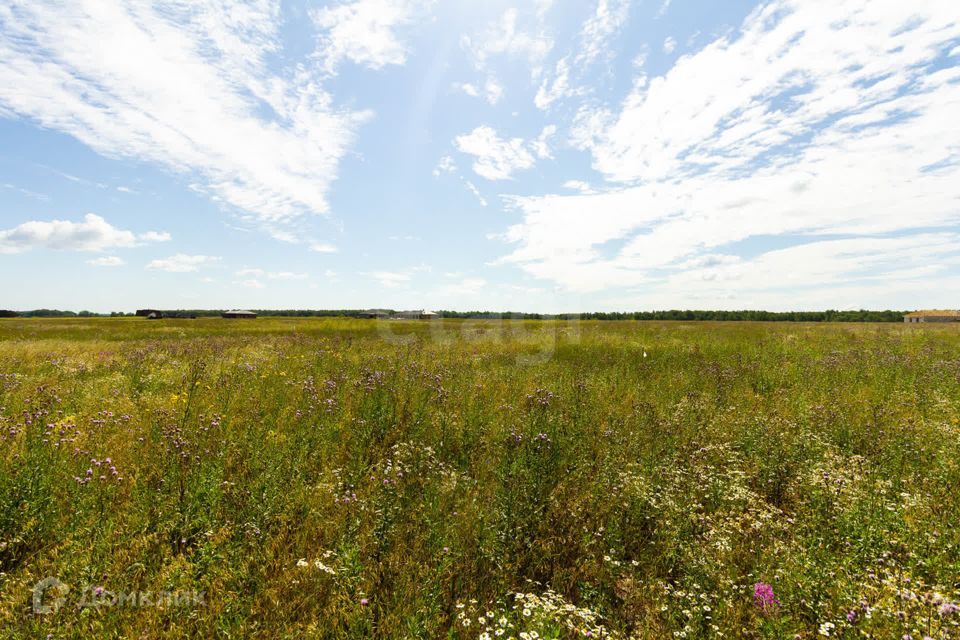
429 474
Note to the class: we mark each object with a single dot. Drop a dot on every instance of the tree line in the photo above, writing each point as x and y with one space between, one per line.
830 315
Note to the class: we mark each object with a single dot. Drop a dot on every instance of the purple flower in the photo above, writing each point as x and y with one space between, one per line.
764 598
364 602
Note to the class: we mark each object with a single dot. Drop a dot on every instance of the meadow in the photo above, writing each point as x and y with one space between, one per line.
341 478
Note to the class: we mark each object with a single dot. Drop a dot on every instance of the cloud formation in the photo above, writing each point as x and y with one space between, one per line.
92 234
812 120
199 97
107 261
182 263
365 32
496 158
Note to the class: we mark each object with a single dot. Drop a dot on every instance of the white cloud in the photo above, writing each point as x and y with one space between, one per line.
578 185
155 236
507 37
555 88
364 32
491 91
472 188
250 284
107 261
199 97
182 263
446 165
390 279
856 272
323 247
593 44
496 158
93 234
641 58
669 44
608 19
286 275
794 126
664 7
467 88
271 275
464 287
541 145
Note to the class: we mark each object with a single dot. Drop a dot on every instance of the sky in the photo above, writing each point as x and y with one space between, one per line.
542 156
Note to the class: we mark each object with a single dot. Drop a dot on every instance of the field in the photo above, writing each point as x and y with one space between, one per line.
335 478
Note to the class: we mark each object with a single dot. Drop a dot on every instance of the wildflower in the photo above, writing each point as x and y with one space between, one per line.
364 602
302 562
764 598
826 629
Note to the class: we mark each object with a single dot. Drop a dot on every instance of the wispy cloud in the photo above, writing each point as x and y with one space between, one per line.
272 275
472 188
793 126
390 279
509 37
199 98
491 90
445 166
607 20
107 261
365 32
92 234
182 263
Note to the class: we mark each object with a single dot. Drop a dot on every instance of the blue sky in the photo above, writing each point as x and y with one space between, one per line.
546 155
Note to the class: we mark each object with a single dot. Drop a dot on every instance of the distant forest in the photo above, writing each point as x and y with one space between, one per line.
830 315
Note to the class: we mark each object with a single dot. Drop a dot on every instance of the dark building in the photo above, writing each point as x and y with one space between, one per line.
4 313
146 313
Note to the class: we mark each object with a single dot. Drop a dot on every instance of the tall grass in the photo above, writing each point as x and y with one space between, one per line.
343 478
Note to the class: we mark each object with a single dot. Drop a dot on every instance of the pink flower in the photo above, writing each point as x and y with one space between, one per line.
764 598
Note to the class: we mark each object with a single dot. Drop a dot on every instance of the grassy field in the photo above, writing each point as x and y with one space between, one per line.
333 478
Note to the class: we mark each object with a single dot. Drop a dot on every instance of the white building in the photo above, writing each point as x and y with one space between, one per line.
420 314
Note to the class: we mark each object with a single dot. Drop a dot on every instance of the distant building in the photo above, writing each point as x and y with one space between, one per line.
421 314
4 313
378 314
145 313
239 314
155 315
933 315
